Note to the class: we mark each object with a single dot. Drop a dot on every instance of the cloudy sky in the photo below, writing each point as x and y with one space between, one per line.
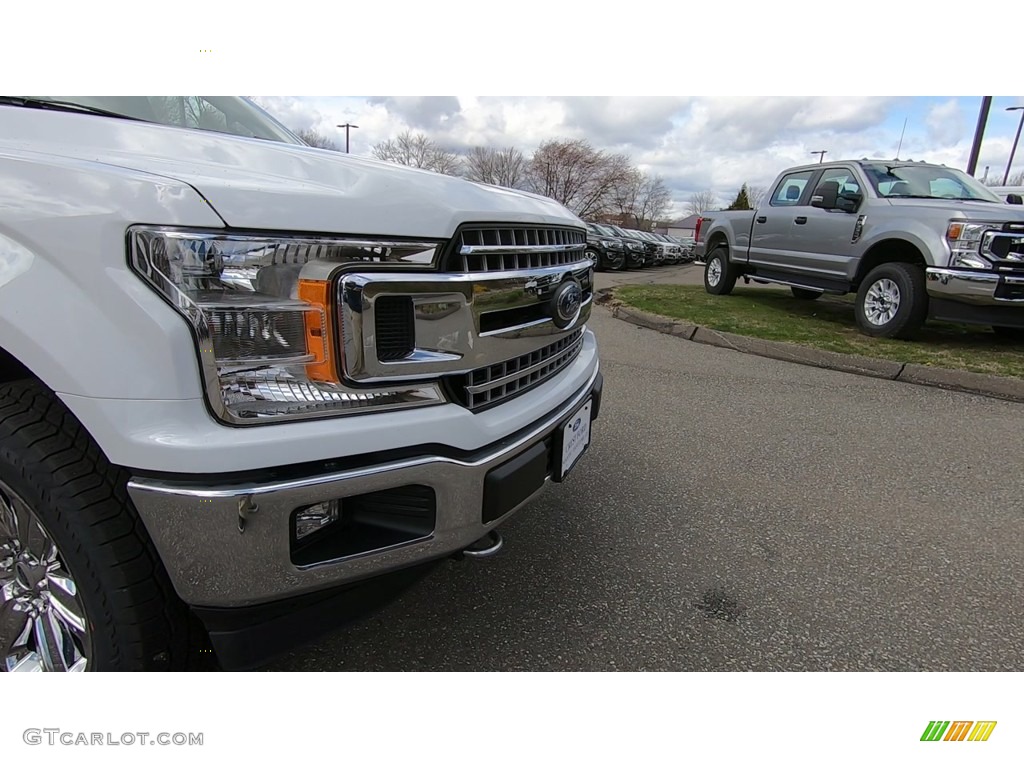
695 143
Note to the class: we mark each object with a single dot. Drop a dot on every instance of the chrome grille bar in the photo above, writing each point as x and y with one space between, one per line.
494 384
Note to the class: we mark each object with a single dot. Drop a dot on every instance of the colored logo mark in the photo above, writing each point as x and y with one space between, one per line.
958 730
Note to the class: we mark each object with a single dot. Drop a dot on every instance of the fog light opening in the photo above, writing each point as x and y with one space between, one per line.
315 518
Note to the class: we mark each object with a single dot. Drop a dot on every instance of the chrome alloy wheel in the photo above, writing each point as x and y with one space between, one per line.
714 271
42 621
882 302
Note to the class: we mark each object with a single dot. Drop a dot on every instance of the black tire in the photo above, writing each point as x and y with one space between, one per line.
614 261
719 274
911 301
1010 334
805 294
594 258
135 620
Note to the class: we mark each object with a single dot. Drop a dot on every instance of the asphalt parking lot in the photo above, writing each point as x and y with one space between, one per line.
739 513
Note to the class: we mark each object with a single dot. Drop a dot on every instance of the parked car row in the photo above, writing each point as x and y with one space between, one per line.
612 248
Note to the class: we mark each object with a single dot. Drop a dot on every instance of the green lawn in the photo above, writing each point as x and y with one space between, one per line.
827 323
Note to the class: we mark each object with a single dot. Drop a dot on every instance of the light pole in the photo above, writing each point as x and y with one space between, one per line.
346 126
1015 140
821 155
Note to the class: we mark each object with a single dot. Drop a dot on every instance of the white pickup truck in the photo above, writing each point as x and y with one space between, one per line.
249 388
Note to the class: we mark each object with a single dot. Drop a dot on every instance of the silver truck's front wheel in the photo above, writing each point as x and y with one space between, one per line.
882 302
892 301
42 620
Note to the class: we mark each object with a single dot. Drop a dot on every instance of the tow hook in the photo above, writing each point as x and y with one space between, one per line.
487 546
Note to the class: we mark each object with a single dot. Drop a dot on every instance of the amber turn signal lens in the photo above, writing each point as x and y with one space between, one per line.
318 330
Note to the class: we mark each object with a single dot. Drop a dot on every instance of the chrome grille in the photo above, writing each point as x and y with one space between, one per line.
1004 250
497 383
498 249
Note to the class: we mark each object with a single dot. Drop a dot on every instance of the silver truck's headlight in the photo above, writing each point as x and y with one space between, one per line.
964 244
262 312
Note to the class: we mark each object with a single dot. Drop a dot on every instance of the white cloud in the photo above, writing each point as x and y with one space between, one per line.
716 143
946 122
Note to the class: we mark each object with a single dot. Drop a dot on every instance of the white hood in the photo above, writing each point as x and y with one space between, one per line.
256 184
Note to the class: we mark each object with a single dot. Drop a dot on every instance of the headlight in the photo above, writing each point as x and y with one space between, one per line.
608 244
964 243
263 316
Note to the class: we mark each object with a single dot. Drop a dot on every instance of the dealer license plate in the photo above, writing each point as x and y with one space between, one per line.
575 438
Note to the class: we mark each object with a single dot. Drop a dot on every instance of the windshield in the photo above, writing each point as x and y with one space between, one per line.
620 232
926 181
223 114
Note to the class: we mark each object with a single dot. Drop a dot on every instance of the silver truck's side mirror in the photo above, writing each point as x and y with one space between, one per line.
1014 199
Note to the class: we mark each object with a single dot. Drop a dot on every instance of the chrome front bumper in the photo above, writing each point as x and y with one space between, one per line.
970 287
213 561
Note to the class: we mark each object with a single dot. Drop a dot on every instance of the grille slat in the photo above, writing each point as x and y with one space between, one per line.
498 383
566 247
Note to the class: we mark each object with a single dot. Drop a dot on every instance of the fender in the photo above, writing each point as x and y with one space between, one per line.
71 311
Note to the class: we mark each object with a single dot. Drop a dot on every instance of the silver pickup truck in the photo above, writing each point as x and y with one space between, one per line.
913 240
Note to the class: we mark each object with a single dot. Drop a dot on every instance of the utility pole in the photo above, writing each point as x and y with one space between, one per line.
979 132
1015 140
821 155
346 126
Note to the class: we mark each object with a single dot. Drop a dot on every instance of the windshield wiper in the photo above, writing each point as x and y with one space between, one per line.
918 197
63 106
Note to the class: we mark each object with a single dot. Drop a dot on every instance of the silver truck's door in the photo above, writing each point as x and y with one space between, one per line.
771 236
823 238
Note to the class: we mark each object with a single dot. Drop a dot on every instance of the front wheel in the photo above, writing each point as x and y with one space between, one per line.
81 586
594 258
719 274
892 301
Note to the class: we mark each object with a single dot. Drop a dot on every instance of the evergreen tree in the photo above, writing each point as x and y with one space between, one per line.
742 201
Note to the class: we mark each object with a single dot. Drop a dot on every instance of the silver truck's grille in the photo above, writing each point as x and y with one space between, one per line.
1005 250
498 249
497 383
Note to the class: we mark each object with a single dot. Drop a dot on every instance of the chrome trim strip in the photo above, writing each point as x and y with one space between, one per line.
944 275
451 311
469 250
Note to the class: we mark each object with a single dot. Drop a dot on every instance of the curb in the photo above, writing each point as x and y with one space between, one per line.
999 387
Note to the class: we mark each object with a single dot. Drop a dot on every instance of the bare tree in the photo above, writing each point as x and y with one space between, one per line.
317 139
502 167
655 199
640 199
701 202
756 195
624 196
1016 180
418 151
577 175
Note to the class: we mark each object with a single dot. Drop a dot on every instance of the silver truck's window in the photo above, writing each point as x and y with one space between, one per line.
844 178
791 188
919 180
